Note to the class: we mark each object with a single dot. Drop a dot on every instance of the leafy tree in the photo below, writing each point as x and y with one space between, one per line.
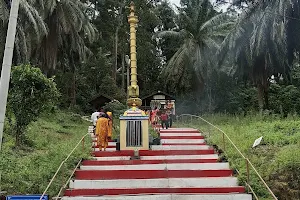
30 30
30 94
263 43
69 26
202 29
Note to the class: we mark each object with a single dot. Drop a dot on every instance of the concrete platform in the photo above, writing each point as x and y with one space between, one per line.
143 162
148 174
173 166
169 197
171 157
179 134
154 191
180 147
187 141
155 183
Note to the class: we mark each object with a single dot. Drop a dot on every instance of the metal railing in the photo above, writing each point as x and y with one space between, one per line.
82 141
248 163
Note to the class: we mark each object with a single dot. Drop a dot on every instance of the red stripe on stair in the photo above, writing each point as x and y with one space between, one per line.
153 153
182 137
109 146
134 191
178 131
148 174
140 162
95 140
183 144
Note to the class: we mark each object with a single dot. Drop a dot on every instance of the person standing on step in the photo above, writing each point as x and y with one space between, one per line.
94 119
170 120
102 132
110 125
164 120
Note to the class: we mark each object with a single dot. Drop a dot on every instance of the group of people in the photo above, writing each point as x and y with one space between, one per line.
103 125
165 116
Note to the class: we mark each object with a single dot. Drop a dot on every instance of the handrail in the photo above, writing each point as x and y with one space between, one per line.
241 154
70 177
62 163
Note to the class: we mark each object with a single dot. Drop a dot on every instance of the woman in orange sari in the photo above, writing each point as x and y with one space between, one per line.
102 132
110 125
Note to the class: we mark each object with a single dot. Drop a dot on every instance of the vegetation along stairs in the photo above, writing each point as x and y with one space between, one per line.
183 167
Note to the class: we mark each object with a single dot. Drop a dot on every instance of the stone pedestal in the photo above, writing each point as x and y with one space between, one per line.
134 133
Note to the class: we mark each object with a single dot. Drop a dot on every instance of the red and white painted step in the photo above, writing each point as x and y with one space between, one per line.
182 168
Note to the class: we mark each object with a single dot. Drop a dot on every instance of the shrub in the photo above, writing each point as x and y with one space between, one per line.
30 94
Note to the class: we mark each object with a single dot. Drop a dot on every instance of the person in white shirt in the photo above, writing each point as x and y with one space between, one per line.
94 118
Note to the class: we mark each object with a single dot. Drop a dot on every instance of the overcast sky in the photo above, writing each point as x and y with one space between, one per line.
177 2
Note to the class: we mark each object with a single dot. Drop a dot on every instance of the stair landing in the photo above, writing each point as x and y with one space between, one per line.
183 167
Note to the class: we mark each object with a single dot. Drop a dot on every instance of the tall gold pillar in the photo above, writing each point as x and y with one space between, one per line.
133 89
134 133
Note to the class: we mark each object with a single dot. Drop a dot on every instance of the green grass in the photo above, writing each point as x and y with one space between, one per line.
28 169
276 159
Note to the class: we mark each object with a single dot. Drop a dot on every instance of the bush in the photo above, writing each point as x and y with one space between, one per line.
30 94
284 99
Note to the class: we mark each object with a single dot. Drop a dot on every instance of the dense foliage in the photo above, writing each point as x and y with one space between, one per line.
221 60
31 93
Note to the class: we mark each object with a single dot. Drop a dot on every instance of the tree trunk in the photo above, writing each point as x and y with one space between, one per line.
73 90
123 71
115 66
18 136
266 99
260 90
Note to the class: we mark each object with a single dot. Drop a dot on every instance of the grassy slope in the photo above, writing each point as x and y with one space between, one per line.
277 159
51 139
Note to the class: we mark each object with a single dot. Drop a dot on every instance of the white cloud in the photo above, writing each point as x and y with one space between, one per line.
177 2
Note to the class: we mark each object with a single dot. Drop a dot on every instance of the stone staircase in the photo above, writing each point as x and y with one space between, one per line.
182 168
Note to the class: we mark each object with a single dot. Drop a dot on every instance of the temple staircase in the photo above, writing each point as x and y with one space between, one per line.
183 167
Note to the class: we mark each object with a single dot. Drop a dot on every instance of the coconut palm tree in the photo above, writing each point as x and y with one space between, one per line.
201 29
262 44
30 29
69 28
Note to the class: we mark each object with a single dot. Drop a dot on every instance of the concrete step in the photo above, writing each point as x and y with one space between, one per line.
180 134
172 166
168 157
225 193
107 149
185 144
186 141
109 146
143 162
155 183
183 137
179 131
180 147
148 174
152 153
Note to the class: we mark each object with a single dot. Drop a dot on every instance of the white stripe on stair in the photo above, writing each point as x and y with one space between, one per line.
174 157
187 141
155 183
170 147
172 166
181 147
169 197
